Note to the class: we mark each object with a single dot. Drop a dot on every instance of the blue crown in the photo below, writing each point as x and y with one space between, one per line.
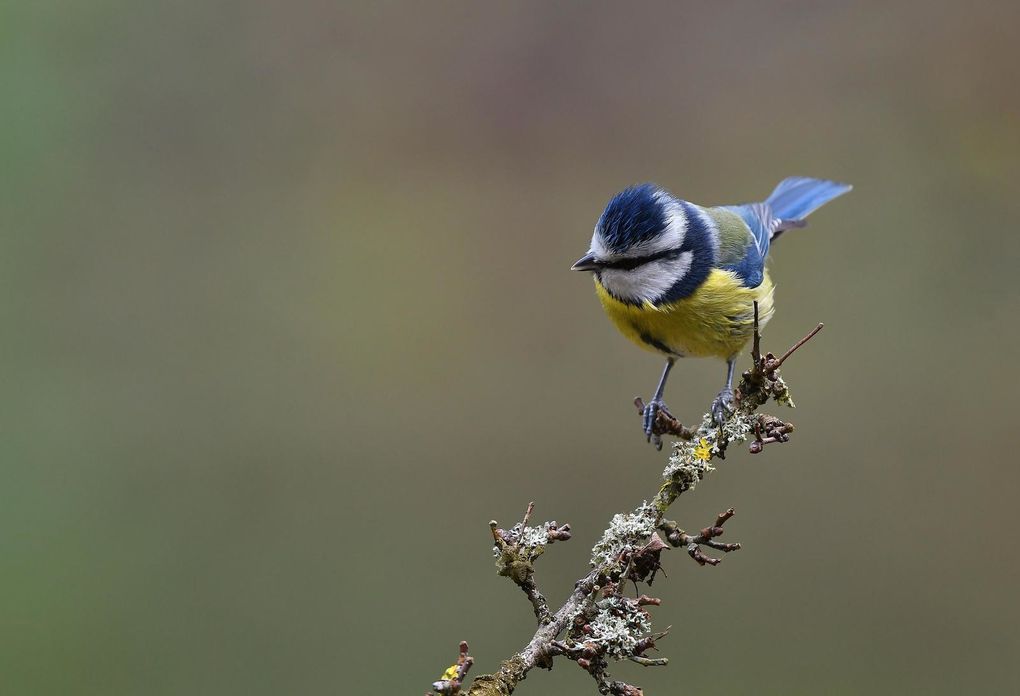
633 216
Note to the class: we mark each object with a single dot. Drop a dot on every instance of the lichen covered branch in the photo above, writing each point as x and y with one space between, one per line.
598 623
516 550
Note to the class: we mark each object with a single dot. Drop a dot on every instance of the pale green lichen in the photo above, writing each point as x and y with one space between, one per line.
782 393
624 531
618 625
529 539
737 428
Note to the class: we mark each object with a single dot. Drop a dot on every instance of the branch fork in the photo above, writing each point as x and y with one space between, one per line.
516 550
706 537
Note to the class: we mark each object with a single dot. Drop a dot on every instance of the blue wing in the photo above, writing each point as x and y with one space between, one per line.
742 243
760 221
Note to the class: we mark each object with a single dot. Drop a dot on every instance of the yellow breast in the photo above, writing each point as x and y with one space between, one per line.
716 319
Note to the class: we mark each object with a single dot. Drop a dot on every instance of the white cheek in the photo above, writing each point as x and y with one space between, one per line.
647 282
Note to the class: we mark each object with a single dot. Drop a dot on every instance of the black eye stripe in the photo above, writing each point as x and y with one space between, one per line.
630 264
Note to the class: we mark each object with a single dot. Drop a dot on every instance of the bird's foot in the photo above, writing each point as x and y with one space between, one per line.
722 406
652 410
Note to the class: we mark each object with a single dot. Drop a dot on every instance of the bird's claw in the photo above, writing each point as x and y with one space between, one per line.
722 406
651 412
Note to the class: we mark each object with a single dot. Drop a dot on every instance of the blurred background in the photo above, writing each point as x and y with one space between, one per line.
288 321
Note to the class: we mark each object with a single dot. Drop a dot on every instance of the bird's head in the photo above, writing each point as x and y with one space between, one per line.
645 245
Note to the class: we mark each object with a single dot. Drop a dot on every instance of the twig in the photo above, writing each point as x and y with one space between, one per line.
649 661
798 344
756 341
527 513
449 684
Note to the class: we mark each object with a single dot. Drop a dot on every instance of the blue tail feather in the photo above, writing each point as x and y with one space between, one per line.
797 197
792 201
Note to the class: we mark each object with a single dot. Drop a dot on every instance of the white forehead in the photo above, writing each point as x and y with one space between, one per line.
672 237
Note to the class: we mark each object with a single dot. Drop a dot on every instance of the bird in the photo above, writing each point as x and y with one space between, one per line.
681 279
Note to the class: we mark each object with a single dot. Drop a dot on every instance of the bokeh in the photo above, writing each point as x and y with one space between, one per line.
288 320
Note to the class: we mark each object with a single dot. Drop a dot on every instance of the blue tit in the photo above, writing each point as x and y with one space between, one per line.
681 279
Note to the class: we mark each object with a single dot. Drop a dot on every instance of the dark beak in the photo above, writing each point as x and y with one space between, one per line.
586 263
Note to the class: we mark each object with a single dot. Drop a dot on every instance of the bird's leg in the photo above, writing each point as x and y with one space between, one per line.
723 404
653 407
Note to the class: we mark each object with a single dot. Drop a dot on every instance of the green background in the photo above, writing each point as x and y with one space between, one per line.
287 319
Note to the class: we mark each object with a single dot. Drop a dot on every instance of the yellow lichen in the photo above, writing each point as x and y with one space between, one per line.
703 452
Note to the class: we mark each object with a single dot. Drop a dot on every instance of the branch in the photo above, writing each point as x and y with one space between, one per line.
597 621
